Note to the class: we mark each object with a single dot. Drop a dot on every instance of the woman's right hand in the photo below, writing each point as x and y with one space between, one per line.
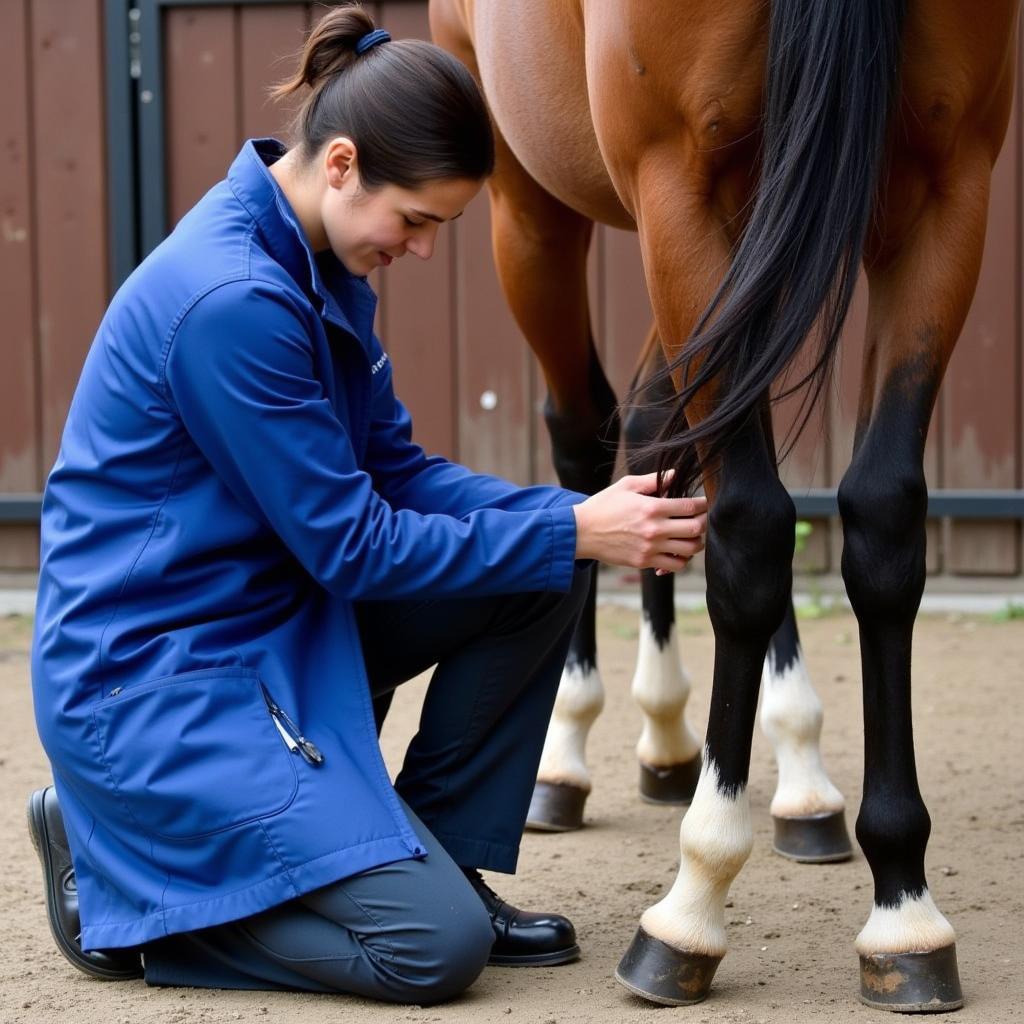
626 525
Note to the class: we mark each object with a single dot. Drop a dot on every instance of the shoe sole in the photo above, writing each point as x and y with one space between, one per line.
559 956
40 837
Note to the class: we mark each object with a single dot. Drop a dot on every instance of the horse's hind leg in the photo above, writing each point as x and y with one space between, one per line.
922 273
540 248
541 254
807 809
668 752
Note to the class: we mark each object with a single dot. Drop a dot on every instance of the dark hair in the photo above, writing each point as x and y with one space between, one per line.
414 112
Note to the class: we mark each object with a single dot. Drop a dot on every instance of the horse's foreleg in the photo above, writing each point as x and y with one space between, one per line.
681 939
584 435
807 809
540 249
668 752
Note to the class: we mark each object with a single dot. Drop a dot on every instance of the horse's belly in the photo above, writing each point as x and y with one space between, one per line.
531 61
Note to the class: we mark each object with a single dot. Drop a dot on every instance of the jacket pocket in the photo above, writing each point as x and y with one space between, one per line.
195 753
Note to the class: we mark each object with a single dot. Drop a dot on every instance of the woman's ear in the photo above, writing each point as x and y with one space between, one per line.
340 162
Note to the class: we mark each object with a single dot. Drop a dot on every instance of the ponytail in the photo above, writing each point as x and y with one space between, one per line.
330 48
414 112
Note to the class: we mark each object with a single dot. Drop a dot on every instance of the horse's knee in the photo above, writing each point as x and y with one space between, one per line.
883 509
584 438
751 533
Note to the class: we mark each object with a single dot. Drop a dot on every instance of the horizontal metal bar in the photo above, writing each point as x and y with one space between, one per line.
966 504
812 504
21 509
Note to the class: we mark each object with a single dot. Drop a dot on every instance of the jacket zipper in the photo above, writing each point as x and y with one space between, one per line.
290 732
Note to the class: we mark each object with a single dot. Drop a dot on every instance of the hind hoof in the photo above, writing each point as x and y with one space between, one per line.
672 785
814 839
912 982
655 971
556 807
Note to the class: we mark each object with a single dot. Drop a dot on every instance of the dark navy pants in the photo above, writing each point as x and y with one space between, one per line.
415 931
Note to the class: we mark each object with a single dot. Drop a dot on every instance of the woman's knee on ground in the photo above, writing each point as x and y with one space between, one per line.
444 959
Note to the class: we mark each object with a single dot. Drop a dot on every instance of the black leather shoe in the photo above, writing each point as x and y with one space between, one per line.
46 827
522 938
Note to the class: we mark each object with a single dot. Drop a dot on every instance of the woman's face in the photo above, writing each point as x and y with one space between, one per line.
370 229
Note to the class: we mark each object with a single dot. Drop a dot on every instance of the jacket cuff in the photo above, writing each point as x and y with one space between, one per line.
569 498
563 547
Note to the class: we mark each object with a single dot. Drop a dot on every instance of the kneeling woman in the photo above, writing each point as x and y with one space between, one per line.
243 554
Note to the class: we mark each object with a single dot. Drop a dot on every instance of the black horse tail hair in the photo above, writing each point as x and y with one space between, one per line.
831 82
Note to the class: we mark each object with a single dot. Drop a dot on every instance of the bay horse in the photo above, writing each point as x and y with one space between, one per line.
763 152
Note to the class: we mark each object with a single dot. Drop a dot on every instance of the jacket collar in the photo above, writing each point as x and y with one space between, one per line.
344 299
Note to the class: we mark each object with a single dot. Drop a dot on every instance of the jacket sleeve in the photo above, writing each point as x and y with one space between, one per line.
240 369
409 478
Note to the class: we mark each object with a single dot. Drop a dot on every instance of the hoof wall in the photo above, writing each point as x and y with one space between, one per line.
814 839
556 807
672 785
655 971
912 982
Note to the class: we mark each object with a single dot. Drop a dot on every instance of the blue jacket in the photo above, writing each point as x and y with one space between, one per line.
235 471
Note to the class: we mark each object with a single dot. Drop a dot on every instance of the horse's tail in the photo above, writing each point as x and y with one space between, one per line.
831 79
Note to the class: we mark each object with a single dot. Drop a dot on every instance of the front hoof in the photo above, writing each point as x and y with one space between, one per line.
556 807
656 971
813 839
912 982
672 785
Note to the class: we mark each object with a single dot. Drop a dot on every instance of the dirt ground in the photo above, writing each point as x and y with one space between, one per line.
791 927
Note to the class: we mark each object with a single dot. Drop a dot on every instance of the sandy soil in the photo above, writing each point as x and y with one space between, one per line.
791 927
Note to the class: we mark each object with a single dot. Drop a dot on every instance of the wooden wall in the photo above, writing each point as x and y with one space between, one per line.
53 279
460 362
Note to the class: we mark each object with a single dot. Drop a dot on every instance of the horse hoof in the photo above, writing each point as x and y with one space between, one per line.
672 785
814 839
655 971
912 982
556 807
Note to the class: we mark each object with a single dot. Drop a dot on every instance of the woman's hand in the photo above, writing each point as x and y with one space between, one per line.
625 525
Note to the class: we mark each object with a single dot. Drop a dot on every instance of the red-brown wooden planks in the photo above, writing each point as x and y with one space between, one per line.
269 41
69 173
417 317
492 358
202 109
19 453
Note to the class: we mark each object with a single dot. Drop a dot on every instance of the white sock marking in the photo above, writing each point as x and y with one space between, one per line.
915 926
715 839
661 687
578 703
791 717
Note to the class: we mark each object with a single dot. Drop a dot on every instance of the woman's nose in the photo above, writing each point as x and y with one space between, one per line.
422 245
